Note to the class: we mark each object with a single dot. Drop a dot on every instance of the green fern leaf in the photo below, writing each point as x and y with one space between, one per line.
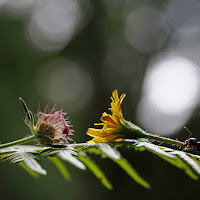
27 155
61 167
94 169
96 149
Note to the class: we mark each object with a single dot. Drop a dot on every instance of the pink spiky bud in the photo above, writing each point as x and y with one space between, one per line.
52 124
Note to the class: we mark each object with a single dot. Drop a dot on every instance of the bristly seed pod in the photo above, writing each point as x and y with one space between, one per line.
51 128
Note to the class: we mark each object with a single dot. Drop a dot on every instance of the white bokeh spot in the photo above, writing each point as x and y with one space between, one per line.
170 94
53 23
173 84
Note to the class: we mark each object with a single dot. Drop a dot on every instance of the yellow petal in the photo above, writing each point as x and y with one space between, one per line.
90 141
111 123
110 138
99 132
115 96
120 101
99 124
108 118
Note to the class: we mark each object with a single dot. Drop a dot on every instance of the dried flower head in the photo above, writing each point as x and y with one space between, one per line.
51 128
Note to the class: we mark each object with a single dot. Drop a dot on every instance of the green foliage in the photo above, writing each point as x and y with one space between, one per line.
105 150
189 163
94 169
35 175
123 163
29 114
61 167
27 156
64 155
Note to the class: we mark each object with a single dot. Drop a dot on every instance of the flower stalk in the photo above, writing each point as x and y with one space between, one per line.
166 140
136 132
18 142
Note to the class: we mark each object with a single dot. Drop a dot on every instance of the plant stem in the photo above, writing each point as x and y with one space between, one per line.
79 146
17 142
166 140
136 132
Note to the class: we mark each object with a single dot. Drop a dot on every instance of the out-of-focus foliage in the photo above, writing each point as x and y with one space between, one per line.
74 54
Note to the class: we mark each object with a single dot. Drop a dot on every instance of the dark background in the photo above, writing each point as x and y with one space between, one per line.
74 54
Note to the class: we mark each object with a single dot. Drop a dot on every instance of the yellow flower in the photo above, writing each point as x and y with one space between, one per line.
113 125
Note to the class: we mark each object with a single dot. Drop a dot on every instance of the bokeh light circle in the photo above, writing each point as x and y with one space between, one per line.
66 83
173 84
146 29
53 23
184 16
170 94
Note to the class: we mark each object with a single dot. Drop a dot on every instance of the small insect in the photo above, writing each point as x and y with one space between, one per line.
191 143
59 146
48 141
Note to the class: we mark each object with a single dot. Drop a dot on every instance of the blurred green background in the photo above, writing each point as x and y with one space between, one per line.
74 53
